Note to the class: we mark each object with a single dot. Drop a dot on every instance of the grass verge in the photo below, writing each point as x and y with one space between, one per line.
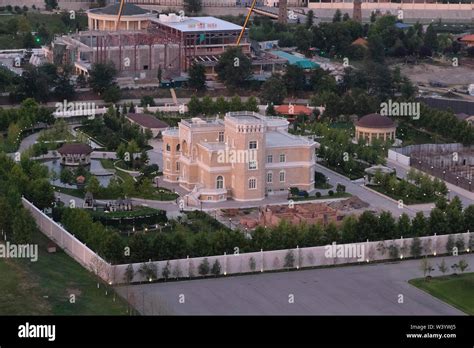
457 290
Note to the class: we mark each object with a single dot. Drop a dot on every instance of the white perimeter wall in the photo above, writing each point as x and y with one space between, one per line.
230 264
398 157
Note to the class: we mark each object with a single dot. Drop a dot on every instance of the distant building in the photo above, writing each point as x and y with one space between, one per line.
75 154
145 42
360 42
293 59
291 110
465 117
375 126
468 40
105 18
245 156
145 121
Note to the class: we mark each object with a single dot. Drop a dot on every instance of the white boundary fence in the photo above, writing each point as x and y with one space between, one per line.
235 263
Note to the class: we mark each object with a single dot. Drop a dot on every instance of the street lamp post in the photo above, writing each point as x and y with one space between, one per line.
230 223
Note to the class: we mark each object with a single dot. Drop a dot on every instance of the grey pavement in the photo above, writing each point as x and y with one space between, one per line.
371 289
28 141
375 200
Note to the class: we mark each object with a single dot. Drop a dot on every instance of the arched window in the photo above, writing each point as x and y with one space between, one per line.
178 147
168 148
219 182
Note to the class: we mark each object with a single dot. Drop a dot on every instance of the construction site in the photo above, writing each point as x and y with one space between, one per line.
140 43
167 42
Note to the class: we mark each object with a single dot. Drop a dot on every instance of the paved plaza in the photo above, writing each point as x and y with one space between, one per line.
372 289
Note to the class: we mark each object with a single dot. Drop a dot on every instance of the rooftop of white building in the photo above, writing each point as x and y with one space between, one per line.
283 139
195 24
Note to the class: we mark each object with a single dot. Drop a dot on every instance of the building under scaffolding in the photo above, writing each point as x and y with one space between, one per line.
169 42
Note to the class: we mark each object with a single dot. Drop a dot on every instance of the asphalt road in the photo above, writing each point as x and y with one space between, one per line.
375 200
372 289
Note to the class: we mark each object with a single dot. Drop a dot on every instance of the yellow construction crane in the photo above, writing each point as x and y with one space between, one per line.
246 21
122 4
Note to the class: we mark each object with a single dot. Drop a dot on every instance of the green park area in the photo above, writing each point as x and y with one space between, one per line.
45 287
17 26
457 290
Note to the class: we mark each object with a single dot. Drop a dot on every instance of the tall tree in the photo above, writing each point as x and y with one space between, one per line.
273 90
294 79
309 19
197 76
192 6
234 68
102 77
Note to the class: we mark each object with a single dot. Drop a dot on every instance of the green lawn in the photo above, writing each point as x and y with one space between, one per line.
457 290
406 200
44 287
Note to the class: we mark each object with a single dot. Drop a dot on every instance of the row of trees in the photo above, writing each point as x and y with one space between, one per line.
43 83
17 122
209 107
185 238
418 188
335 39
26 178
113 128
444 123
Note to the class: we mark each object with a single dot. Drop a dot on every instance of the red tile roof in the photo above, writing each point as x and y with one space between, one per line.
467 38
297 110
360 42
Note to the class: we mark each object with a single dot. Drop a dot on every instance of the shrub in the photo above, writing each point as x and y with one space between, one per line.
415 249
204 268
294 191
166 271
290 259
393 251
252 264
216 268
340 188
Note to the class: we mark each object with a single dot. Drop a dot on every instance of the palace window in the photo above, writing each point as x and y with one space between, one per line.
252 184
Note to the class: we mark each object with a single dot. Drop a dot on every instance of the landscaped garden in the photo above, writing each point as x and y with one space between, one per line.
418 188
339 153
114 129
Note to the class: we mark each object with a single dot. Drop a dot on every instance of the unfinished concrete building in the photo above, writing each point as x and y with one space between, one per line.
145 42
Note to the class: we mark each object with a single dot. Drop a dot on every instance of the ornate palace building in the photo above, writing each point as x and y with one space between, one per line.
245 156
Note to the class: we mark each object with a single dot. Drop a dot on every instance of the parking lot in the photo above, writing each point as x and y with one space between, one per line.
373 289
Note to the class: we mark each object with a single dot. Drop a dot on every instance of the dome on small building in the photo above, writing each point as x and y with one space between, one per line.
105 18
375 126
375 121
